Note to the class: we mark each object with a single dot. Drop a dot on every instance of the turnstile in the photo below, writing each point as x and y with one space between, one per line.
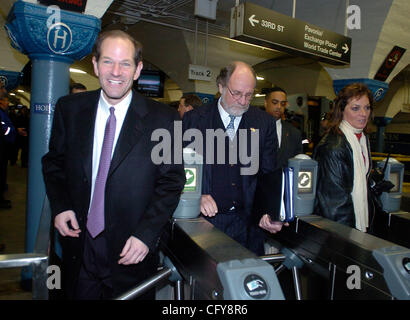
353 264
214 266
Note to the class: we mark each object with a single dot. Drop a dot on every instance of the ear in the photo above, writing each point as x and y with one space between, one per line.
138 70
220 88
265 103
95 64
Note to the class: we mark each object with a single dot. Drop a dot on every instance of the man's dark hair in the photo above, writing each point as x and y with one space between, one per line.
78 86
273 89
192 100
117 34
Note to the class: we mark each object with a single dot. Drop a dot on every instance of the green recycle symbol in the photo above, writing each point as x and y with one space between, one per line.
190 176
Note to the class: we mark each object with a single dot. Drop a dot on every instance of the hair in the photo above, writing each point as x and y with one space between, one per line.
192 100
349 92
78 86
226 73
117 34
273 89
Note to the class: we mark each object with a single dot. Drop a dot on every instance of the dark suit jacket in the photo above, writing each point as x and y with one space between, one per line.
202 118
140 196
291 144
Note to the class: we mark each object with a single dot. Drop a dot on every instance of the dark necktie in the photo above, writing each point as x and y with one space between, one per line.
230 129
95 221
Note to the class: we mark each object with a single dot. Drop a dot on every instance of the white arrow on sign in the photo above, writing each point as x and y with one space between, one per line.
252 20
345 48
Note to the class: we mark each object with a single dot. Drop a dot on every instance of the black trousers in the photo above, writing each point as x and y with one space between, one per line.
94 281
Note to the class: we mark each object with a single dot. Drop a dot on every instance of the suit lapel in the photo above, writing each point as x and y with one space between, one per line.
131 131
86 141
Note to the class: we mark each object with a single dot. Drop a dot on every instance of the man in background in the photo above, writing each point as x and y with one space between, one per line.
7 138
77 87
187 103
289 138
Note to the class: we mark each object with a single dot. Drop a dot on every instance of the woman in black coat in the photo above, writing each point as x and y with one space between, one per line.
344 160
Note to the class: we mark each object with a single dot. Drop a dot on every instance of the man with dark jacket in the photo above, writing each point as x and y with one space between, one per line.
109 200
7 138
289 137
228 187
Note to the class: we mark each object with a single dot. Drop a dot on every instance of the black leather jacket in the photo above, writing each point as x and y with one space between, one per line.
335 179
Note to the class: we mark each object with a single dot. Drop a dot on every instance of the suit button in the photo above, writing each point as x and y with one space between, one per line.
233 184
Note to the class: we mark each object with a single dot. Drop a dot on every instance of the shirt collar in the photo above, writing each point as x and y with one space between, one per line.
123 104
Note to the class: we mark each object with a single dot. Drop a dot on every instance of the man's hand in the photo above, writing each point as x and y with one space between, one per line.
269 225
61 223
208 206
133 252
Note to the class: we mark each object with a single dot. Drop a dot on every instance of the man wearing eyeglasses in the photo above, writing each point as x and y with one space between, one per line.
227 193
289 137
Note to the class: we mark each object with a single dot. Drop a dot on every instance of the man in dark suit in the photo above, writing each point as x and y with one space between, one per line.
7 140
228 187
289 137
139 196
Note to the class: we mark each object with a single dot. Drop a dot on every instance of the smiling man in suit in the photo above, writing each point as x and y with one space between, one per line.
289 137
110 214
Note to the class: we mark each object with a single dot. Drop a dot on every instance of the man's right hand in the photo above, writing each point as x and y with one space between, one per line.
208 205
61 223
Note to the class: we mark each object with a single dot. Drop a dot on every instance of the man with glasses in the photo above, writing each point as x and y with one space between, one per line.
228 193
289 137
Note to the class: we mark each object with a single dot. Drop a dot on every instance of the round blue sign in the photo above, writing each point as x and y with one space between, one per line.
59 37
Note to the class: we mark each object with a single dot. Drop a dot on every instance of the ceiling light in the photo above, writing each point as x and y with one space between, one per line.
260 78
12 94
259 95
77 70
19 90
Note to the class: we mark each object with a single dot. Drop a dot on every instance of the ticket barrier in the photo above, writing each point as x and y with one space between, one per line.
215 267
204 261
391 223
351 264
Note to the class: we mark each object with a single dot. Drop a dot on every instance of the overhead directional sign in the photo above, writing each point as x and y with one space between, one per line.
258 25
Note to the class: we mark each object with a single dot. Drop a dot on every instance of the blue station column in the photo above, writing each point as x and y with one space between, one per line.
53 39
379 89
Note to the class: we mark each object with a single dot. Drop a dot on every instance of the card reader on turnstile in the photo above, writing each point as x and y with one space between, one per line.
394 172
189 203
305 180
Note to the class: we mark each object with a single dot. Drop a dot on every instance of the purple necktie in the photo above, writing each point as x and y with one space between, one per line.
95 221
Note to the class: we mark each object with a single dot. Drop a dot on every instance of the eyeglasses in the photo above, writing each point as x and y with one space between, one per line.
238 95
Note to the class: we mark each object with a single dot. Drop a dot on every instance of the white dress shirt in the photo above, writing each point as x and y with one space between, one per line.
103 112
279 131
